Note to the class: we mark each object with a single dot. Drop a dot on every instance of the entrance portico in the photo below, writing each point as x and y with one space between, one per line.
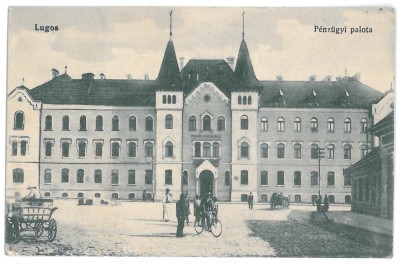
206 179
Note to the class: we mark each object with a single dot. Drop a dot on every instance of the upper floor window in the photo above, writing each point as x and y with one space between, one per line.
197 149
14 148
264 150
331 151
239 100
297 151
314 178
347 151
245 100
99 123
221 123
215 150
347 125
364 150
19 120
65 175
347 180
297 124
169 149
48 148
168 177
148 177
281 124
280 178
331 125
65 123
244 122
249 100
80 175
227 178
207 123
23 146
132 123
98 148
149 123
115 147
185 178
264 177
314 151
65 146
169 122
192 123
164 99
244 150
297 178
82 123
169 99
98 176
174 99
281 151
244 177
114 177
149 149
81 149
206 150
331 178
132 149
18 175
314 124
48 123
47 176
264 124
364 125
115 123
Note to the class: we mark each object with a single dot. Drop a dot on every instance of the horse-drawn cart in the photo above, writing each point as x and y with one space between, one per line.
31 216
278 201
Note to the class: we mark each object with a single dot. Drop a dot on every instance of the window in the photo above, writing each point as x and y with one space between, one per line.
19 120
244 150
65 175
114 177
347 180
149 149
206 149
364 125
174 99
97 195
347 199
221 123
149 123
114 196
244 177
281 151
244 123
227 178
244 197
47 194
47 176
281 124
249 100
80 195
264 178
239 100
168 177
215 150
82 123
331 198
364 150
131 196
331 151
98 176
148 177
80 175
192 123
14 148
185 178
132 149
65 123
197 149
297 198
314 151
314 124
331 178
48 123
297 151
280 178
347 151
23 147
264 151
297 178
99 123
115 149
65 146
169 122
132 123
314 178
331 125
164 99
169 149
264 197
131 177
115 123
264 124
99 149
297 124
18 175
48 146
207 123
81 149
245 100
64 195
347 125
169 99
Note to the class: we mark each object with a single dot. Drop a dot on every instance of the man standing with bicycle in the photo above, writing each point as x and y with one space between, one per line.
207 207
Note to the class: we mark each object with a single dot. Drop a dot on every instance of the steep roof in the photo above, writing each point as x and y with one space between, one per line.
169 77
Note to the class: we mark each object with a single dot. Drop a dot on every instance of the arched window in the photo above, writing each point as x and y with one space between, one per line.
132 195
331 125
347 151
81 149
18 175
239 100
331 178
264 124
227 178
114 196
169 149
207 123
98 176
114 177
80 195
64 195
314 178
206 150
244 122
249 100
82 123
174 99
245 100
14 148
281 124
65 175
264 151
19 120
149 123
364 125
168 177
297 124
48 148
97 195
314 124
197 149
331 151
192 123
280 151
297 151
314 151
115 149
65 123
164 99
24 144
48 123
244 150
132 149
80 175
132 123
215 150
297 178
297 198
264 178
169 122
347 125
185 178
99 123
47 194
169 99
221 123
131 177
115 123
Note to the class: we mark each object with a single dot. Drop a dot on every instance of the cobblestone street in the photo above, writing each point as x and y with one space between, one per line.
136 229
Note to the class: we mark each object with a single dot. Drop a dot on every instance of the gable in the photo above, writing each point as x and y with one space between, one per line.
21 95
203 89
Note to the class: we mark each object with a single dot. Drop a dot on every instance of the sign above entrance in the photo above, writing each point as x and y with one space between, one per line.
206 136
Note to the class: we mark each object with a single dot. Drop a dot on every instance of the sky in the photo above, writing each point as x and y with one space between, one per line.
118 41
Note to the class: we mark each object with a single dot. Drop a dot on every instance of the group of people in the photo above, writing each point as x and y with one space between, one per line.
325 206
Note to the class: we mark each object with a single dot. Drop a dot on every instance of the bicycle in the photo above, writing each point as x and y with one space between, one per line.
215 225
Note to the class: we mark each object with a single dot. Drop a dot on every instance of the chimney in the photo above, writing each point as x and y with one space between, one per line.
279 78
311 78
181 62
88 76
54 73
328 78
231 62
102 76
357 76
146 77
129 76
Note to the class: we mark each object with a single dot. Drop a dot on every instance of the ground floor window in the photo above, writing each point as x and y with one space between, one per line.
80 195
64 195
243 198
149 195
264 198
297 198
168 177
331 198
18 175
47 194
347 199
97 195
131 196
114 196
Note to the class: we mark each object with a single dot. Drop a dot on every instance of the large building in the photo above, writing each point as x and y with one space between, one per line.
208 126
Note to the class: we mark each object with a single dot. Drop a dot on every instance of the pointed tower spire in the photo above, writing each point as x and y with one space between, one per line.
170 24
243 25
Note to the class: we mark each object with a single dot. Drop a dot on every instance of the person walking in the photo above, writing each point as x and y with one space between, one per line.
197 208
180 215
187 208
319 200
250 200
326 203
144 195
166 200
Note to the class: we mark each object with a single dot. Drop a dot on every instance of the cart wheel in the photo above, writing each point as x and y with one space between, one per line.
11 235
38 229
198 226
216 228
52 230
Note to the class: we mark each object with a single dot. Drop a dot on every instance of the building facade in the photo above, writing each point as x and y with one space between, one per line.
207 127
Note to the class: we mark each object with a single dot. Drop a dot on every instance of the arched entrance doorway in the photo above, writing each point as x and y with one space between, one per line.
206 182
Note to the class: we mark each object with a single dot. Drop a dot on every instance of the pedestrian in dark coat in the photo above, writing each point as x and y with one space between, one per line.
180 215
187 208
326 203
250 200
